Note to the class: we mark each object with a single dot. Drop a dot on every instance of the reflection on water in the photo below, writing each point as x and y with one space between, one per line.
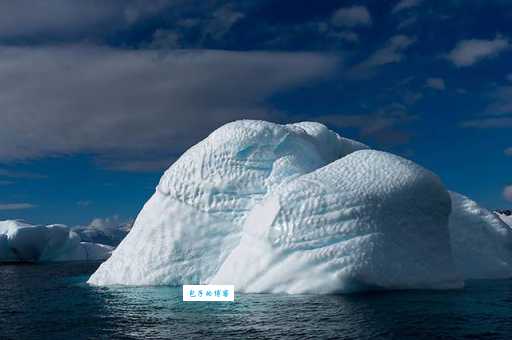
53 301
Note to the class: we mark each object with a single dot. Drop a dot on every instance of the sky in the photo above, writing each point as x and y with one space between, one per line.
99 97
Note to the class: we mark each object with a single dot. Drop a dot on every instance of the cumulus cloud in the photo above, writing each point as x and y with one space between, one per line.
351 17
507 193
469 52
436 84
16 206
392 52
136 105
405 4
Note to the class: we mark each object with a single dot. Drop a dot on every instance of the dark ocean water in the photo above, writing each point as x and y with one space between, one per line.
53 302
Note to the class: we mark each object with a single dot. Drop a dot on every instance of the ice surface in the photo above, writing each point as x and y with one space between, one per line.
194 219
506 218
23 242
298 209
481 242
370 220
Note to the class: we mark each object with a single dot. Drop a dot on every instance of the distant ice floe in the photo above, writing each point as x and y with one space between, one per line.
299 209
23 242
104 231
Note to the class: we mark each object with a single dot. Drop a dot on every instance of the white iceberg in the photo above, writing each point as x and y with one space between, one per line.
298 209
23 242
481 242
505 216
194 219
107 234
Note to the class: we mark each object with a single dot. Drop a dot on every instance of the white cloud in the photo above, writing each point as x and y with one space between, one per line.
391 53
405 4
136 105
351 17
16 206
507 193
508 151
469 52
407 22
436 84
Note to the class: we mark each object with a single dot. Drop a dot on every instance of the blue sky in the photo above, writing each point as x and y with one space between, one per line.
99 97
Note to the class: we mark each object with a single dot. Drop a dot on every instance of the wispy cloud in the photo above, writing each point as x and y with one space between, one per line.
407 22
384 126
352 16
20 174
501 101
469 52
405 4
488 123
16 206
436 84
72 19
392 52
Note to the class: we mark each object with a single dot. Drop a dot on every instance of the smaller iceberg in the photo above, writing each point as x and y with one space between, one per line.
23 242
110 235
505 216
481 241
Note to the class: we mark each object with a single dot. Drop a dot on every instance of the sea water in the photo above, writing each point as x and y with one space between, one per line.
53 302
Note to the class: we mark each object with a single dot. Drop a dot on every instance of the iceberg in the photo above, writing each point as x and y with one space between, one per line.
481 242
23 242
110 235
299 209
194 220
505 216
